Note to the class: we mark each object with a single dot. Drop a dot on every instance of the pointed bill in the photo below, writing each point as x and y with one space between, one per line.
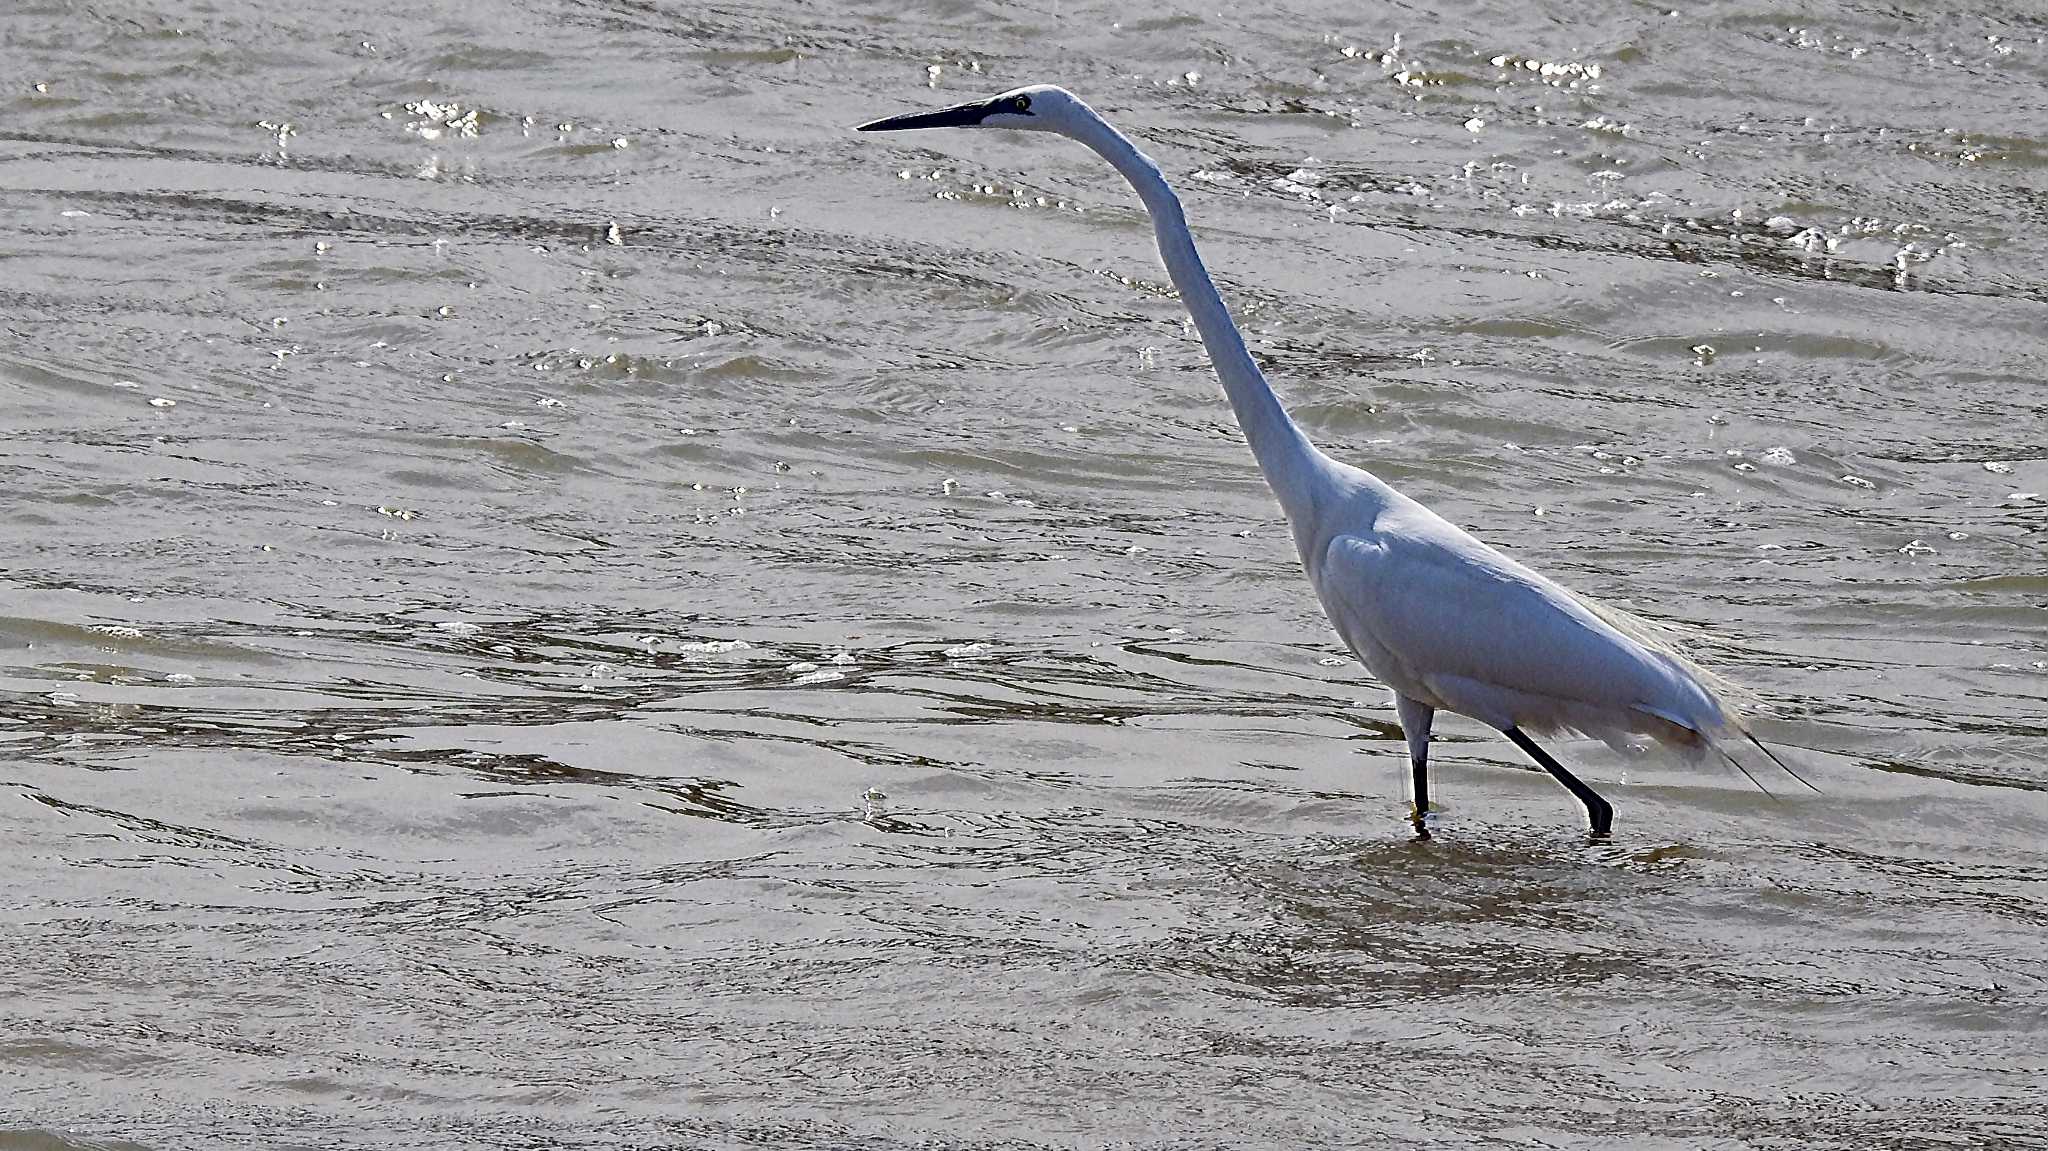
962 116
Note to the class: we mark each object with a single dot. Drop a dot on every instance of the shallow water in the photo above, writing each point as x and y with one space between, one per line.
643 616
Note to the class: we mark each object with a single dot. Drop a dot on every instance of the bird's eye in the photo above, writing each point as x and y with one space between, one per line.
1021 105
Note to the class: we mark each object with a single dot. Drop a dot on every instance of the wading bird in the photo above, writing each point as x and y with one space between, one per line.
1444 620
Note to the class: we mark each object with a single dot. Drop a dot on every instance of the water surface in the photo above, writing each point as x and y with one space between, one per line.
553 595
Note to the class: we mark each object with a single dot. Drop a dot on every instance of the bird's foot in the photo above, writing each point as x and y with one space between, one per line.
1419 818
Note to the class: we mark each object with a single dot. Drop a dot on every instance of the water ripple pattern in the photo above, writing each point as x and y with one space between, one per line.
553 595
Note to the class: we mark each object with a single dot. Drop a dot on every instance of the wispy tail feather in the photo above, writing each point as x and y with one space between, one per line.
1754 781
1722 751
1676 641
1782 765
1672 640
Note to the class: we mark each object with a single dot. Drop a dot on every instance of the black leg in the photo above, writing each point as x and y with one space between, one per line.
1415 722
1419 792
1599 814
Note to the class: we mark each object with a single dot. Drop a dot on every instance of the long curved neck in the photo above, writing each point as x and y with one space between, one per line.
1284 453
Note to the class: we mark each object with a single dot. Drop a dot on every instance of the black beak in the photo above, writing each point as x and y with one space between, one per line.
964 116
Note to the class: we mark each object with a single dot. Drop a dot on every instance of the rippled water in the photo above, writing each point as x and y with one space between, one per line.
553 595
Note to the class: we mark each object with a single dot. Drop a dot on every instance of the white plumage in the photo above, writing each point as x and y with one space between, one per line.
1444 620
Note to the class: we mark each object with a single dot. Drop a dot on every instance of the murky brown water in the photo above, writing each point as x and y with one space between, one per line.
822 671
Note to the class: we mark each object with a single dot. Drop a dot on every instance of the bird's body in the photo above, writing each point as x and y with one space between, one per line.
1446 621
1455 625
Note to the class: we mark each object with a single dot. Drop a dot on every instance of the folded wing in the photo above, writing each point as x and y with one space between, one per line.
1447 619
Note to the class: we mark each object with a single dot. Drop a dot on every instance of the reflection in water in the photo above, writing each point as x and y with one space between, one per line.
660 620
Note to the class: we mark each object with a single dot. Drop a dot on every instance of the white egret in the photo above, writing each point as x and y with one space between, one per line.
1444 620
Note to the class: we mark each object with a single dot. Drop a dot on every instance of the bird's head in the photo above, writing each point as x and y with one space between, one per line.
1038 108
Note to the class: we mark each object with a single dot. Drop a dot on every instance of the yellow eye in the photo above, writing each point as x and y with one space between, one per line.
1021 104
